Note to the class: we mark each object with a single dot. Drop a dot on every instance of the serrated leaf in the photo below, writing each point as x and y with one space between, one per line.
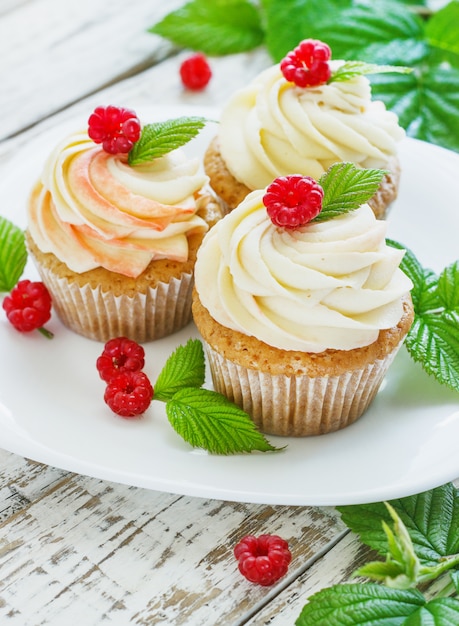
431 519
185 367
442 33
360 604
346 187
206 419
359 68
215 28
13 254
433 341
437 612
159 138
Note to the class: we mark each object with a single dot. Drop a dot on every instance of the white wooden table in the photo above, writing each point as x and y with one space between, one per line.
79 550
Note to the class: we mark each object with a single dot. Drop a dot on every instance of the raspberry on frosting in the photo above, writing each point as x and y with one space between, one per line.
307 65
116 128
293 201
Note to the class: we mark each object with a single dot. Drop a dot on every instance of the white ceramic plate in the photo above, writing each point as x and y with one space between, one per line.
51 399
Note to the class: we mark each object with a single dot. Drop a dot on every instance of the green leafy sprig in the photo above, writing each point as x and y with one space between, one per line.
202 417
160 138
422 545
390 33
346 187
13 254
433 339
350 69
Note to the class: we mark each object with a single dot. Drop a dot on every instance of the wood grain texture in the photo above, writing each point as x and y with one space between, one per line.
119 554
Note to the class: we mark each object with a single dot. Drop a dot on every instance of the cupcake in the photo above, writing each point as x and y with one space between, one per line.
114 224
306 313
301 116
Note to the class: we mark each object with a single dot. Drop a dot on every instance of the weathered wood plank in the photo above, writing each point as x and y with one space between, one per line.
107 552
53 53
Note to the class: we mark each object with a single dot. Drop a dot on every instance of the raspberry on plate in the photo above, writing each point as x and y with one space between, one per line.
129 393
28 306
264 559
119 355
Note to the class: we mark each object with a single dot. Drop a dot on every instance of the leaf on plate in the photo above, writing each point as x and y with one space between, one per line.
13 254
206 419
216 28
431 519
366 603
185 367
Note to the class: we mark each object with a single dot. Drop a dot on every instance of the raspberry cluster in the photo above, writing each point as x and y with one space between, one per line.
28 306
129 391
264 559
195 72
116 128
293 201
307 65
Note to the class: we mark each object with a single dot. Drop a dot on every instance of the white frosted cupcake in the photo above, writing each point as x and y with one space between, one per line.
275 127
114 234
305 318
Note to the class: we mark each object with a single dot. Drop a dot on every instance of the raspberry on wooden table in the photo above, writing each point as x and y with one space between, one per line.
307 65
264 559
119 355
195 72
293 201
28 306
116 128
129 393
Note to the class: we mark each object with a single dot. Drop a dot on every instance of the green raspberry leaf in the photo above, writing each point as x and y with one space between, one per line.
185 367
160 138
13 254
206 419
442 36
346 187
358 68
366 603
216 28
437 612
431 519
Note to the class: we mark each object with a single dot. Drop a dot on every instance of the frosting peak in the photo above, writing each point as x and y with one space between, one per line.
273 128
91 209
328 285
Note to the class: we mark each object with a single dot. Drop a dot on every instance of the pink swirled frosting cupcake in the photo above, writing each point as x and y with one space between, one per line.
115 243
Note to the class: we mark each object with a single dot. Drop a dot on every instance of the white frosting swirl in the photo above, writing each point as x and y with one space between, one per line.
91 209
273 128
328 285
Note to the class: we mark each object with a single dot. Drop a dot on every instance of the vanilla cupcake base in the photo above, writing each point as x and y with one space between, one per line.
297 394
161 311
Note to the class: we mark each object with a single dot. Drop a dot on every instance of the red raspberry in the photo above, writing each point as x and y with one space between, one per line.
195 72
264 559
119 355
293 201
28 306
307 65
129 393
117 129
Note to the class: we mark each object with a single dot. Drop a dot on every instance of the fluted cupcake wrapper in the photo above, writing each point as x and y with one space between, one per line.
298 406
100 315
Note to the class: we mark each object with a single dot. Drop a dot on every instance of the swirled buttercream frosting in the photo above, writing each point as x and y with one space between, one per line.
91 209
327 285
274 128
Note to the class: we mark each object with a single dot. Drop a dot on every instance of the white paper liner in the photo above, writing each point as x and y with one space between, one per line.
101 316
298 406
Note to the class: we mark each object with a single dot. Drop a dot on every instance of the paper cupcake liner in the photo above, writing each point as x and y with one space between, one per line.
101 316
298 406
